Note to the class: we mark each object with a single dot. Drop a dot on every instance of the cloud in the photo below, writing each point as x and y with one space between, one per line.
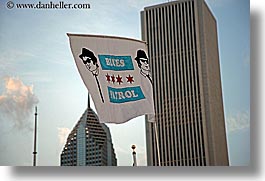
17 102
119 149
239 121
62 135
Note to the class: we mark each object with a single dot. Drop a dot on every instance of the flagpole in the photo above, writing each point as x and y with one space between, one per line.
35 139
157 144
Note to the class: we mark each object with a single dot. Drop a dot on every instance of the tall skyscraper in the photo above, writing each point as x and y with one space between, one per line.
89 143
183 52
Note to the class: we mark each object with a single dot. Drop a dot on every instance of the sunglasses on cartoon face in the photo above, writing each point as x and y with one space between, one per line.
144 60
86 60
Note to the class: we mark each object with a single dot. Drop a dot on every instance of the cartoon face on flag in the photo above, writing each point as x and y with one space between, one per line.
143 64
90 61
116 73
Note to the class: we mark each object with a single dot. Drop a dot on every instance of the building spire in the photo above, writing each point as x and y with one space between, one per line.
88 101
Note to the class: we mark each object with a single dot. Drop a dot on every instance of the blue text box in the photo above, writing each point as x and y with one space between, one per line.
127 94
116 63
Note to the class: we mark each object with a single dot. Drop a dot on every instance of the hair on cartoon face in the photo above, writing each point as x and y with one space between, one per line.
90 56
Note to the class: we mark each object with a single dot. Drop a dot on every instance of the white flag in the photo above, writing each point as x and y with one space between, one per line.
116 73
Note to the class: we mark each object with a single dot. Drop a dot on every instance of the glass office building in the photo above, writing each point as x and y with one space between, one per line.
89 143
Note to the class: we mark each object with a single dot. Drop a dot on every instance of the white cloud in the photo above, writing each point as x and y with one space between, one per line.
62 135
119 149
239 121
17 103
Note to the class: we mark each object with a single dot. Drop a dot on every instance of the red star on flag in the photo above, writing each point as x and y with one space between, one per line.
119 79
113 79
130 79
108 77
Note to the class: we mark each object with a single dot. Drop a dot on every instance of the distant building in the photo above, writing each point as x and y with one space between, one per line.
184 60
89 143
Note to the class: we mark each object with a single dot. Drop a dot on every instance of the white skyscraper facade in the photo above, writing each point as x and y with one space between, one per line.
183 51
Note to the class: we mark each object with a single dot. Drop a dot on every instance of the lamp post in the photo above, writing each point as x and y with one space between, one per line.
35 139
134 156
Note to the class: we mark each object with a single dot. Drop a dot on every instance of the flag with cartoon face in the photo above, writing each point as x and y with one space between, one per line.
116 73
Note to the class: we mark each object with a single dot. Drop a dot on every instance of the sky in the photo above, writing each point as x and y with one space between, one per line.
37 68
